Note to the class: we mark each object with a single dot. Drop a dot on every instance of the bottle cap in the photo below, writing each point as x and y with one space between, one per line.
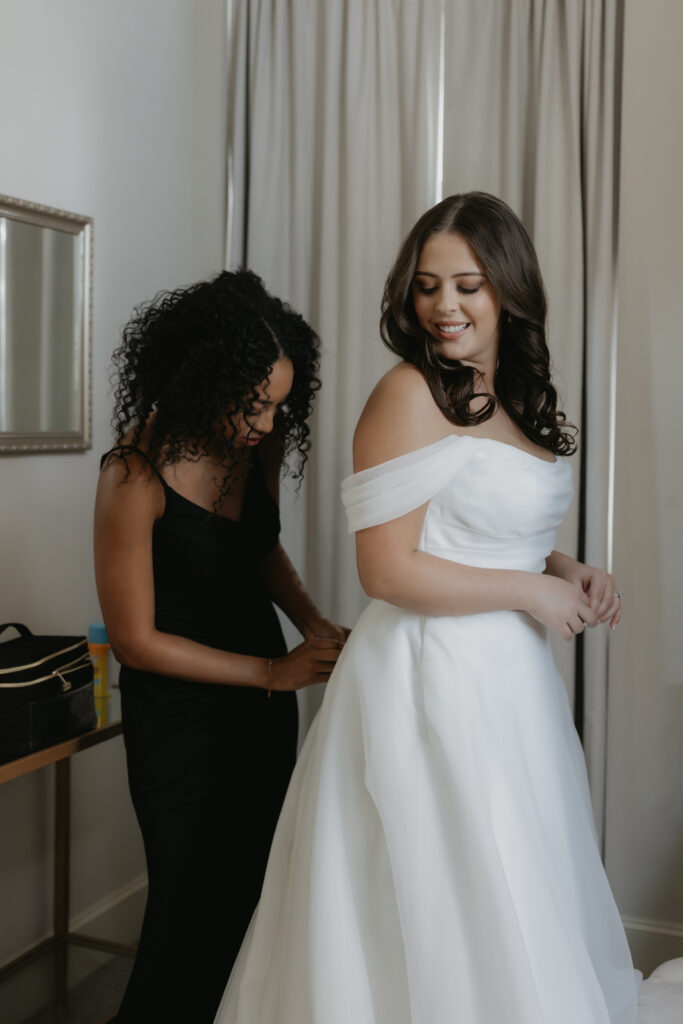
97 634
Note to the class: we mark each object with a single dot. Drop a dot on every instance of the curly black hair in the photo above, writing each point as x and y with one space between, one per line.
194 356
523 386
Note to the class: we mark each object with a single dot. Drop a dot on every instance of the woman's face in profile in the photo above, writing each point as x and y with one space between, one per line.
454 301
252 426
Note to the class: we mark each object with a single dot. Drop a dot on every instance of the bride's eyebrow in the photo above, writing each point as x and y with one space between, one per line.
464 273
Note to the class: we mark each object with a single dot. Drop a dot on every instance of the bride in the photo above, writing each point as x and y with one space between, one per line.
435 860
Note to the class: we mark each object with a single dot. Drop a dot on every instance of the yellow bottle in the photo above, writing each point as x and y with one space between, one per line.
98 645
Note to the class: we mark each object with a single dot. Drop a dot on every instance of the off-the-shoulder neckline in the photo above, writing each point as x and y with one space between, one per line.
448 439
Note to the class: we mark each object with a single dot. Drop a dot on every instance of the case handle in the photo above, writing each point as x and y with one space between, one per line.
20 628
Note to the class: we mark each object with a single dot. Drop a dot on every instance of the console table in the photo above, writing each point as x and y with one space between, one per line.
60 755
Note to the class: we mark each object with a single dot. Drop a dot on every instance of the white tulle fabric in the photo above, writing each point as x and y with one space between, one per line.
435 861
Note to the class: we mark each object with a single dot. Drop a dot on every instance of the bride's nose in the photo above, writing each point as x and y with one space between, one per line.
447 301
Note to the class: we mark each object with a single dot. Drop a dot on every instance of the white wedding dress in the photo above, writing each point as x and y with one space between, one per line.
435 861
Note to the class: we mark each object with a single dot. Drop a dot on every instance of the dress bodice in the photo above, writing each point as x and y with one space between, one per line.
207 580
491 504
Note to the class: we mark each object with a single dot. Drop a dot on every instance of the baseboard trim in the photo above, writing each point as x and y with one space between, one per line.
95 910
653 927
101 907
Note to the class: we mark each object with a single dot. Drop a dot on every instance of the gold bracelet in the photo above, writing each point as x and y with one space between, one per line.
270 676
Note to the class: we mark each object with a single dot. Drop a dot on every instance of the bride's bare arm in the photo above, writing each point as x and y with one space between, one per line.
401 416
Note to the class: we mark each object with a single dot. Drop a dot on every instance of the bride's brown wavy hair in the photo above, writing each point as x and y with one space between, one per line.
503 248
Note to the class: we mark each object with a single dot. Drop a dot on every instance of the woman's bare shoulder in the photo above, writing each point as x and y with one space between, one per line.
399 416
127 476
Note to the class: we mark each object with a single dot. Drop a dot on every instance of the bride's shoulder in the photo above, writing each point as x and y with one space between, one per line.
399 416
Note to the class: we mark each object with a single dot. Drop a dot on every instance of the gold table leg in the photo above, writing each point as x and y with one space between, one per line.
61 874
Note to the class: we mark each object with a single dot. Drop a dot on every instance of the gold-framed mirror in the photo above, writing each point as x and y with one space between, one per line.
45 328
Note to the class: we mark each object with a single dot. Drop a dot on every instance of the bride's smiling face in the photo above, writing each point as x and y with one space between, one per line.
455 303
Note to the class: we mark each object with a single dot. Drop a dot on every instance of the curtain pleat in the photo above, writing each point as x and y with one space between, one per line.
533 117
341 103
334 151
601 106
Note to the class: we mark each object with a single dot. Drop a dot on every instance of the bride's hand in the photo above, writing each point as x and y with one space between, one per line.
561 606
599 586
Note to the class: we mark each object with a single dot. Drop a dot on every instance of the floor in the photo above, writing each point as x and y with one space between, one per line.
94 1000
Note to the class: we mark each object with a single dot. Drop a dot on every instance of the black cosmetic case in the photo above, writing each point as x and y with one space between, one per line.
46 691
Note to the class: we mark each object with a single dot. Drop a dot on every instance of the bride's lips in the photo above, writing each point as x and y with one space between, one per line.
451 330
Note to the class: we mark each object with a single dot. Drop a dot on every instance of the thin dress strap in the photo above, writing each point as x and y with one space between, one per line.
121 450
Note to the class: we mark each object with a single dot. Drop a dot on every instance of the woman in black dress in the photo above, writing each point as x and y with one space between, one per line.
214 389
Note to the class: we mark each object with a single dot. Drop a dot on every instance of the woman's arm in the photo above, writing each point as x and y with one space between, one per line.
285 588
598 585
283 584
401 416
126 509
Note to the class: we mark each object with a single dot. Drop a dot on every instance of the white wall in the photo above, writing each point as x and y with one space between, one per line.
115 110
645 743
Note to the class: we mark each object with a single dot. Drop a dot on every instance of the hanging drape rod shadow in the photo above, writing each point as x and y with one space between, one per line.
613 355
441 104
230 154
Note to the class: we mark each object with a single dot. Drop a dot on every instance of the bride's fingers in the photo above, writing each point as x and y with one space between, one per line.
596 592
576 625
606 604
616 616
610 609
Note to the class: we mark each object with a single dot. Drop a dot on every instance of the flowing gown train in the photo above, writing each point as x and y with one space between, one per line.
435 860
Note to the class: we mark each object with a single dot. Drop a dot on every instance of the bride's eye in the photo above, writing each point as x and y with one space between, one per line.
423 290
468 291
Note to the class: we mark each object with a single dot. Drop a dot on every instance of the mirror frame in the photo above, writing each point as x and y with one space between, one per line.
75 224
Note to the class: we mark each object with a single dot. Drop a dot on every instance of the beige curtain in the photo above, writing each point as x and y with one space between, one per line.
349 118
332 156
531 113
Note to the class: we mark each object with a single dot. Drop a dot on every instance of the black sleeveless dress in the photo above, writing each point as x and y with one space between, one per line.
208 765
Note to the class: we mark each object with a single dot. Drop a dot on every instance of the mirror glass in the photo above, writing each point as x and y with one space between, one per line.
44 328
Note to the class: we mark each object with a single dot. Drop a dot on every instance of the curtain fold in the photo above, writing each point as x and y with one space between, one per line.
338 111
603 33
344 117
534 119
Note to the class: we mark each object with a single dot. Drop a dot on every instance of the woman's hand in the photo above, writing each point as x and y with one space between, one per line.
311 662
598 585
561 606
321 627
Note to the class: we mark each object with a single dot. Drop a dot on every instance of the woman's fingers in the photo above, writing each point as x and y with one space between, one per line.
325 642
326 657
